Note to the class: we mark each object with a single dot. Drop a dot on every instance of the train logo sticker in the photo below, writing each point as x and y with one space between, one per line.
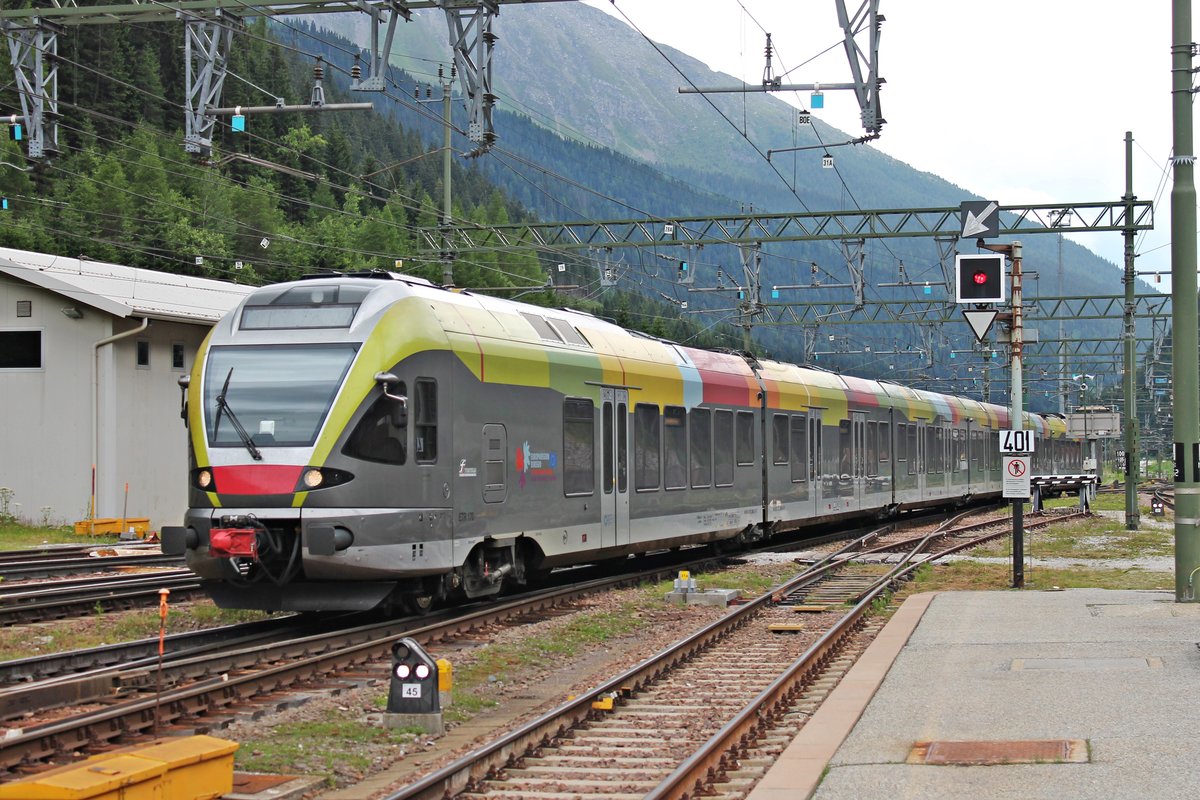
535 466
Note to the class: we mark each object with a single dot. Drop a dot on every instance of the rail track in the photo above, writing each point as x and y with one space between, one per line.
23 603
23 566
683 721
199 689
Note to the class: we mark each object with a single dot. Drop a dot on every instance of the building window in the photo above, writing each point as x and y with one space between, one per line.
24 308
177 355
143 352
21 349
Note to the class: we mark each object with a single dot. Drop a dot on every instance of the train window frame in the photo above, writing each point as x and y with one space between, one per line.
579 440
780 455
901 443
798 424
675 441
885 442
647 448
700 448
914 451
722 447
425 421
380 414
744 433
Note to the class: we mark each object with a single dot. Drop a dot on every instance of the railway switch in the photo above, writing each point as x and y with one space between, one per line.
413 697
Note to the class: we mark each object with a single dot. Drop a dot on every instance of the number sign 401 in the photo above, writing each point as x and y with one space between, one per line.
1016 441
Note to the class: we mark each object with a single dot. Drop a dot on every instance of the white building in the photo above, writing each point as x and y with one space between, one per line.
90 356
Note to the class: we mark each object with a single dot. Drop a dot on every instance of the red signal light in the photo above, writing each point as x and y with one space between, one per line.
980 278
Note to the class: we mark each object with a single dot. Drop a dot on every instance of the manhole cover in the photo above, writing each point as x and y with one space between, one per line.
1027 751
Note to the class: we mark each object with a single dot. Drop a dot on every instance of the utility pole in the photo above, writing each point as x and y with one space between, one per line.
1132 458
447 255
1185 356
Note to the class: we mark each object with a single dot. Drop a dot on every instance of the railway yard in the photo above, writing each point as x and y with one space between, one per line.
594 686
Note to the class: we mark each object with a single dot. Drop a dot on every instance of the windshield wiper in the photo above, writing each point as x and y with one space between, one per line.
223 408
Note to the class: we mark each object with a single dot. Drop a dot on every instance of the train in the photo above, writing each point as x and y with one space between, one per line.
374 440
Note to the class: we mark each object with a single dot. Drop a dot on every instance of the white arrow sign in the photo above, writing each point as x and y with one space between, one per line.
974 225
980 322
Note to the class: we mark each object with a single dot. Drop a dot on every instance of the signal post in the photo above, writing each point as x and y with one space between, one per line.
980 280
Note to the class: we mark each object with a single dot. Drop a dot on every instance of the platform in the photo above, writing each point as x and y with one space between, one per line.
1098 690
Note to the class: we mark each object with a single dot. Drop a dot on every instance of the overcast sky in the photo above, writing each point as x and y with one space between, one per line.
1021 101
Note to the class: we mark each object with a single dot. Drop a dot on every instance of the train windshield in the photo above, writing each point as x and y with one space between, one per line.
275 396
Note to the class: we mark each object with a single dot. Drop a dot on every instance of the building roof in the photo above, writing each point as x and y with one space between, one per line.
125 291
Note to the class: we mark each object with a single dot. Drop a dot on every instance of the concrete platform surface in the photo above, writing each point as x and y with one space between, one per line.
1119 670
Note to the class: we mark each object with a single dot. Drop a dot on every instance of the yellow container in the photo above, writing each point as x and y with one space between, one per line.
140 526
117 777
194 767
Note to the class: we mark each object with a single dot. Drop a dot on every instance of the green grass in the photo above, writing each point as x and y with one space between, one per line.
15 536
329 747
976 575
1089 538
105 628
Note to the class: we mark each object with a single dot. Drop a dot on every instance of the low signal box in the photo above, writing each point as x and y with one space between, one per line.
979 279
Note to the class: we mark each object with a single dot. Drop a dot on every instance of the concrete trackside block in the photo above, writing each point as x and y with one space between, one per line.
708 597
430 723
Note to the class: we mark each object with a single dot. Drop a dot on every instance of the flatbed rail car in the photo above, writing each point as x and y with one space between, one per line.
359 441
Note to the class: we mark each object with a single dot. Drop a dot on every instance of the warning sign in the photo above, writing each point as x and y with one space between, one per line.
1016 476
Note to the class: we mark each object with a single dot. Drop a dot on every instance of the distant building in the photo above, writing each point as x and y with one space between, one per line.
90 356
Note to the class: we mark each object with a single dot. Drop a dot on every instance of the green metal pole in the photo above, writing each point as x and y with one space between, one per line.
1132 457
1185 361
447 258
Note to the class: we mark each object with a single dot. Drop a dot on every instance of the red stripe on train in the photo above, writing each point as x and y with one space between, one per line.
256 479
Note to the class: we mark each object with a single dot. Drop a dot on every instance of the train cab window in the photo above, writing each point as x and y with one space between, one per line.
579 447
745 439
425 421
675 447
799 446
700 441
779 439
647 447
723 448
382 433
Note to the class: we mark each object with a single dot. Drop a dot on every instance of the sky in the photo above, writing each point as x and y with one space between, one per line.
1022 102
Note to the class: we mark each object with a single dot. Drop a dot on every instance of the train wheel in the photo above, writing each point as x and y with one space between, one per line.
418 605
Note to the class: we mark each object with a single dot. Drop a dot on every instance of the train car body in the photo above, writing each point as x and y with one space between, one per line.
367 441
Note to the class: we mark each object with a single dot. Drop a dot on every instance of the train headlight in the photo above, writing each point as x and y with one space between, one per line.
313 478
203 480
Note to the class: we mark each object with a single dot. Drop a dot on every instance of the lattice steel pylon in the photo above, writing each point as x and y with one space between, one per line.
472 39
33 50
207 39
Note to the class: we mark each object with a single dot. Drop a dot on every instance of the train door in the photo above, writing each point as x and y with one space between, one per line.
858 439
614 472
815 467
916 456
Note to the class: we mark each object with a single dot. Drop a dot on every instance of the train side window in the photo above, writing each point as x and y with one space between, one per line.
675 447
901 442
606 454
425 426
382 433
799 447
885 442
845 450
872 449
579 447
745 439
622 448
700 440
647 447
779 438
723 448
914 455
